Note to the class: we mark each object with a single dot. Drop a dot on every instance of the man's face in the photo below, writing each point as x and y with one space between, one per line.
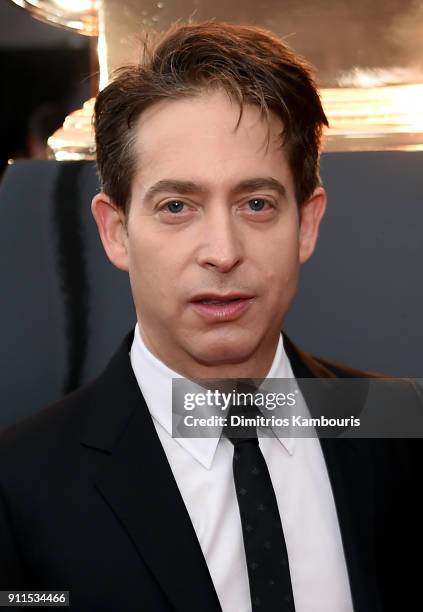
212 218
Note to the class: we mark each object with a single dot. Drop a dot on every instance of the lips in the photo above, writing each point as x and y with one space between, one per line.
214 308
220 298
216 301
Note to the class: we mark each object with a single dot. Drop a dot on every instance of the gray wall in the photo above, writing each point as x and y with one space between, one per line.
361 295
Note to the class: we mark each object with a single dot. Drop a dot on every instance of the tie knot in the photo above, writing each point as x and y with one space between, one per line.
244 441
241 424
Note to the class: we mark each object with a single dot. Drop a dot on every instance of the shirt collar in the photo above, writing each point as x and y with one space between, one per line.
155 381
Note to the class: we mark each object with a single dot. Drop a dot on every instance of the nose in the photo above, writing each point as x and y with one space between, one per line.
221 247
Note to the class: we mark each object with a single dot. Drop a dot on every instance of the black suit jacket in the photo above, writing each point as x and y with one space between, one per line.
89 504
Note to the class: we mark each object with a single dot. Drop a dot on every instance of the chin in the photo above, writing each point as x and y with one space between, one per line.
224 351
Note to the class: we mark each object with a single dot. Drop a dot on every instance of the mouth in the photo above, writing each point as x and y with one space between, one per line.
220 308
217 301
214 298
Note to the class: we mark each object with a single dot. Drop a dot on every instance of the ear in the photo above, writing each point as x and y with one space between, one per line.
311 213
111 225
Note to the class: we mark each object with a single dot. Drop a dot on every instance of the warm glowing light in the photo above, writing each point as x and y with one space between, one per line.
102 50
79 15
374 118
75 140
75 6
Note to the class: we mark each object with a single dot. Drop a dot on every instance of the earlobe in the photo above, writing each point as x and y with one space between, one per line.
311 214
111 226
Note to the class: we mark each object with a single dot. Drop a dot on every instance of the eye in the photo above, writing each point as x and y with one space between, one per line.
173 206
257 204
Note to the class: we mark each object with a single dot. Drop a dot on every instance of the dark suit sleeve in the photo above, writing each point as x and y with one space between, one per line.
11 568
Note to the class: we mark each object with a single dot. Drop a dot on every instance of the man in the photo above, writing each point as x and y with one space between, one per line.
211 200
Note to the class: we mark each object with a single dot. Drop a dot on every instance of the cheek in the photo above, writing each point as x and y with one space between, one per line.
280 266
280 260
154 268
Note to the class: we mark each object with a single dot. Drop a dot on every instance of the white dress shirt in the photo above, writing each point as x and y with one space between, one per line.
202 468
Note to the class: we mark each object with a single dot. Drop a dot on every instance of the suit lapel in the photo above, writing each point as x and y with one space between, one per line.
137 483
353 481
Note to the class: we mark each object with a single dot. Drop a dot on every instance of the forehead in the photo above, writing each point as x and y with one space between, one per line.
197 138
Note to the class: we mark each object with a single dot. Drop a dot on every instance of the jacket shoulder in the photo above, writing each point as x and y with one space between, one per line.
305 365
342 370
63 420
49 426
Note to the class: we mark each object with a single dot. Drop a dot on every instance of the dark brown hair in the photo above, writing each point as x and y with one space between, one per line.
251 64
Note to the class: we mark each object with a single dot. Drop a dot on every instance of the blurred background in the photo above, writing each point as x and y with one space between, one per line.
45 73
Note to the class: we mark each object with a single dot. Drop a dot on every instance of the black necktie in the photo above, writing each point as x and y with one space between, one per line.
264 542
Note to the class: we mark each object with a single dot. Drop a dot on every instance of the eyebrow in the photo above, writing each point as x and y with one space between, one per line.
190 187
